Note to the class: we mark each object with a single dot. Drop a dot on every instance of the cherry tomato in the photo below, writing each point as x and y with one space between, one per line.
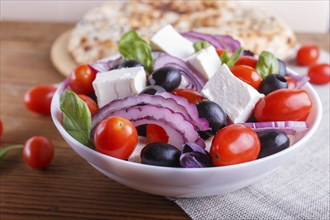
307 55
234 144
247 74
291 82
284 105
1 129
90 103
39 98
247 60
156 133
219 52
38 152
191 95
116 136
319 73
81 79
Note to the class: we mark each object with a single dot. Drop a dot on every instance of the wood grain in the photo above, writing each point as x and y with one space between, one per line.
70 188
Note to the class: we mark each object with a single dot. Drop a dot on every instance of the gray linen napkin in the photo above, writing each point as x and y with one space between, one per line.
298 190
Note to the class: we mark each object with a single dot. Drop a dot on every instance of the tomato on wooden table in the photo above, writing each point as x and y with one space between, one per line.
247 74
38 152
116 136
156 133
39 98
191 95
81 79
234 144
307 55
92 106
319 74
1 129
284 105
247 60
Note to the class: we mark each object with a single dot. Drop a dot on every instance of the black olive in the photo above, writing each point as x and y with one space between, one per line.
127 64
152 90
214 114
272 141
167 77
271 83
160 154
282 68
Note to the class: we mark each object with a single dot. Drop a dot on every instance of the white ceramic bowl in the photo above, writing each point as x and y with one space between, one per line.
189 182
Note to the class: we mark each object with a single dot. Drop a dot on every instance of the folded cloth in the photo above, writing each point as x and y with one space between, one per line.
297 190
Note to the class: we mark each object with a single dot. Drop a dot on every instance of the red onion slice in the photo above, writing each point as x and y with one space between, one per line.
289 127
301 80
107 63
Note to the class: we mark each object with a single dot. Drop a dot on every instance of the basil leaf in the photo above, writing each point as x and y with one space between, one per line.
231 60
199 45
77 118
267 64
133 47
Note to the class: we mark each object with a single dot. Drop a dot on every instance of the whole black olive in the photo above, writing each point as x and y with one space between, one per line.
127 64
160 154
282 68
167 77
152 90
272 141
214 114
271 83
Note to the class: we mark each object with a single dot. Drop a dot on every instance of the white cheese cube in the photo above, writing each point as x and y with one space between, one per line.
234 96
170 41
118 83
205 61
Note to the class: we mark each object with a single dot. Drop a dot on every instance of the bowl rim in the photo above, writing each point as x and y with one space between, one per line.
55 109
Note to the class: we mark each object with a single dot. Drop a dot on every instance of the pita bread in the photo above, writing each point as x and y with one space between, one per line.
96 35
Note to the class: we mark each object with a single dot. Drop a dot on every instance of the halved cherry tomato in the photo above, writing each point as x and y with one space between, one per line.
39 98
247 74
234 144
90 103
291 82
319 73
156 133
247 60
191 95
81 79
219 51
38 152
307 55
284 105
116 136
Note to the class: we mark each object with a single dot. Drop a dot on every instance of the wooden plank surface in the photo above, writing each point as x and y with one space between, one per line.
70 188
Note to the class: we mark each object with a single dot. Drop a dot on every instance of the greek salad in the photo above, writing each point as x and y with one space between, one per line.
186 100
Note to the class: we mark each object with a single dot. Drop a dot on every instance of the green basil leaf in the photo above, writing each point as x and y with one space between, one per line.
199 45
267 64
77 118
224 57
230 60
133 47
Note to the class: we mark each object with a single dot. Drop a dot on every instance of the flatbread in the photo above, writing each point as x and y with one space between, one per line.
98 32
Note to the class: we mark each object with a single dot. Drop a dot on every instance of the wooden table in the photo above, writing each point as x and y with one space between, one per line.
70 188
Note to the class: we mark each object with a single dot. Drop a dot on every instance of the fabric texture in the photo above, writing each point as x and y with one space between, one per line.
297 190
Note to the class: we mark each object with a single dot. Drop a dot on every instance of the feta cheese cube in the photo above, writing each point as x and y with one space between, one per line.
234 96
118 83
205 61
170 41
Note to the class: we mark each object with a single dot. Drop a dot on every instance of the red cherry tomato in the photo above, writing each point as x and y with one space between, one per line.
319 74
81 79
247 60
284 105
307 55
247 74
1 129
291 82
234 144
90 103
38 152
116 136
156 133
38 99
191 95
219 52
